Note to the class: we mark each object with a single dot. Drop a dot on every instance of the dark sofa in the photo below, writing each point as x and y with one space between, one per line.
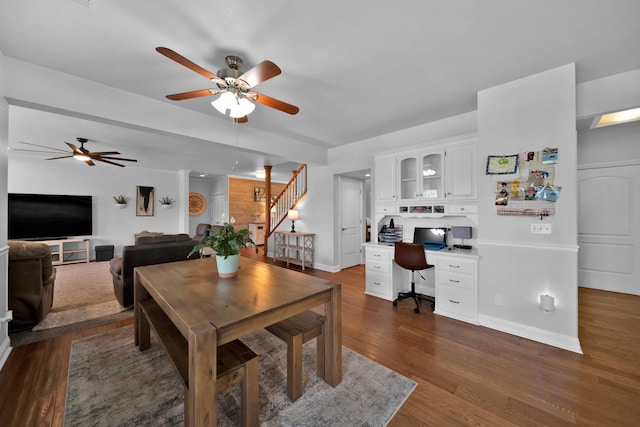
148 250
31 280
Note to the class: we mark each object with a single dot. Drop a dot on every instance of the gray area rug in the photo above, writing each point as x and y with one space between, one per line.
112 383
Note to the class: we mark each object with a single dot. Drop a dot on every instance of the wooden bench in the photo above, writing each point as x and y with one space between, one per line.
296 331
235 361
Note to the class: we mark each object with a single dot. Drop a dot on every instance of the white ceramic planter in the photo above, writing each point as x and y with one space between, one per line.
228 267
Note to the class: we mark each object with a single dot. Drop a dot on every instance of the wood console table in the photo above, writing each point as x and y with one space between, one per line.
207 312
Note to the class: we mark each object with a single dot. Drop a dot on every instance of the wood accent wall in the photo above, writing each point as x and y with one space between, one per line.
241 204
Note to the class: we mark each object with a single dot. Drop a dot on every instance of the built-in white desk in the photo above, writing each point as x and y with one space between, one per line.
454 280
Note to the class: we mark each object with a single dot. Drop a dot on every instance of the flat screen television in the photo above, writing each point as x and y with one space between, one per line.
431 235
49 216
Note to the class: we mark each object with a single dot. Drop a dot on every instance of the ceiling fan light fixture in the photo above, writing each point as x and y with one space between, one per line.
247 106
237 107
226 101
81 157
236 112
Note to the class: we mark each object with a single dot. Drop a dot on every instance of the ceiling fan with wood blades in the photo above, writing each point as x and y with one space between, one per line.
81 153
233 86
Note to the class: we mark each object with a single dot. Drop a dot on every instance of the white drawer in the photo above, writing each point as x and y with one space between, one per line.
378 284
375 254
378 266
456 265
448 278
462 209
455 300
386 208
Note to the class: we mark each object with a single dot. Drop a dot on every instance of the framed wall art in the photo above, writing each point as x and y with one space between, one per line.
502 165
197 204
259 195
144 201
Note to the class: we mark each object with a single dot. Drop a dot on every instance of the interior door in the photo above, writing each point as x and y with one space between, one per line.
218 207
351 222
608 229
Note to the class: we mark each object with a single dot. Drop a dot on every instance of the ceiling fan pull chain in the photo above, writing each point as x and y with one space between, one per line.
234 156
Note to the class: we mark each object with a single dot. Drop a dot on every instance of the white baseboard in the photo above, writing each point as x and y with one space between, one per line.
535 334
5 349
329 268
323 267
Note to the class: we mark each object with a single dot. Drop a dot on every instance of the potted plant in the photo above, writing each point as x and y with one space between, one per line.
166 202
121 201
227 244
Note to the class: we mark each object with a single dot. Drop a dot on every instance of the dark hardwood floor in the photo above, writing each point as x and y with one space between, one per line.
466 375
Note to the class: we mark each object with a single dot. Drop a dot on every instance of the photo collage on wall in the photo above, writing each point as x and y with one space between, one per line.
525 182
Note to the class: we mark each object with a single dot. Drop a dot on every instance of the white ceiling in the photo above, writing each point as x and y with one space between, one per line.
356 69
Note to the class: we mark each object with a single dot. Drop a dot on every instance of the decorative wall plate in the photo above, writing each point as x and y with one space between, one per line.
197 204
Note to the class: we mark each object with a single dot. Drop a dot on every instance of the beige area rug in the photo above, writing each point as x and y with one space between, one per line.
82 292
112 383
83 299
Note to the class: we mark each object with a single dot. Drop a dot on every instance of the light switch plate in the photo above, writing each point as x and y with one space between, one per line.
541 228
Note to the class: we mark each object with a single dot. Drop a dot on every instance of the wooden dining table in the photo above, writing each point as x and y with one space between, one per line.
200 311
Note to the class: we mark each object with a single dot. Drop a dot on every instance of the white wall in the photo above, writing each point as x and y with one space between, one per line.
111 226
611 144
4 249
203 187
516 266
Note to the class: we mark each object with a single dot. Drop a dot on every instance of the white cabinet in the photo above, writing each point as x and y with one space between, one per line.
456 287
461 172
378 280
429 182
420 176
385 179
256 232
455 280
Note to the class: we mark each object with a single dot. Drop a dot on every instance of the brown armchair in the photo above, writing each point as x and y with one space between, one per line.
31 280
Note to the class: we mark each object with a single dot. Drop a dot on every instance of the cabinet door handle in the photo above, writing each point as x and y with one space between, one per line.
454 266
377 266
455 302
454 281
377 255
377 283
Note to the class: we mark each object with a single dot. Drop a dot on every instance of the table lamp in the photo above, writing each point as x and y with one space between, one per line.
293 215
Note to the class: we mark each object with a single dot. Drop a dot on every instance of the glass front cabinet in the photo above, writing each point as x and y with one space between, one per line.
421 176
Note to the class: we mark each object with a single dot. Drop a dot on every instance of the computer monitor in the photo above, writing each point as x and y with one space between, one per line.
432 235
461 232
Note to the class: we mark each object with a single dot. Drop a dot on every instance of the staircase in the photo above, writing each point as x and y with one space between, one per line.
287 199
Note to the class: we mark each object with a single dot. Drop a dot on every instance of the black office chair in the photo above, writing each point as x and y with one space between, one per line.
411 257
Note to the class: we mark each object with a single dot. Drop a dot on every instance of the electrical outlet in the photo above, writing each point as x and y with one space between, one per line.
541 228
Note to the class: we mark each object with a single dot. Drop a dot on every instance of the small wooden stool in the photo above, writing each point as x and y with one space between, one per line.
296 331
